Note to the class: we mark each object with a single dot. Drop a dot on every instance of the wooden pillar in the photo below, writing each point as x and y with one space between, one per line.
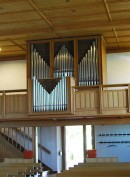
84 142
128 97
93 137
35 143
63 148
76 60
40 134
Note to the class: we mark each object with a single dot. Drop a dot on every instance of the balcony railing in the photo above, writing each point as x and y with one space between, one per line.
102 99
13 103
81 101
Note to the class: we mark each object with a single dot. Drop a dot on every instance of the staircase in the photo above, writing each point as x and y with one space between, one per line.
13 145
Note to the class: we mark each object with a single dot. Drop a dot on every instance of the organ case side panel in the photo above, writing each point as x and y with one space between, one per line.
103 60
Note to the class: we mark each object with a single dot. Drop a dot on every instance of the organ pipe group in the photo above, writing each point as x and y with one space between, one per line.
88 67
56 100
63 63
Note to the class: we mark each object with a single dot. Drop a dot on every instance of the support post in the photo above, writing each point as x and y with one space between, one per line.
100 99
128 97
84 142
35 144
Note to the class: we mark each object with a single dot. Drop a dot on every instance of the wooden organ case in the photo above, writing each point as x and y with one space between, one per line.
56 66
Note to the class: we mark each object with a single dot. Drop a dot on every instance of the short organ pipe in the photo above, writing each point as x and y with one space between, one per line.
46 100
63 63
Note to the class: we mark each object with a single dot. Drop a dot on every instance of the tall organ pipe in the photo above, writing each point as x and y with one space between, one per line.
88 67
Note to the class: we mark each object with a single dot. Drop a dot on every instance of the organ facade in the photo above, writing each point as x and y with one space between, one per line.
57 65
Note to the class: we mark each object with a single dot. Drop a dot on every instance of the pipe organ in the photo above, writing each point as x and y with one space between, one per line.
54 66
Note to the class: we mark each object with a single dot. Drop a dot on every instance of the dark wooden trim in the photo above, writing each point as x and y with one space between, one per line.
84 142
93 137
11 91
12 58
117 50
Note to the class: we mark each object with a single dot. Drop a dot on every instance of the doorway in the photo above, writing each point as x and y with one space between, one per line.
77 140
74 145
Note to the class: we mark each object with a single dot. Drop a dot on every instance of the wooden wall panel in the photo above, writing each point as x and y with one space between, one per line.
114 99
86 100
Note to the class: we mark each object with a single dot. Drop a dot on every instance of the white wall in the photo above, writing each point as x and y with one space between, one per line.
13 75
118 68
113 141
108 144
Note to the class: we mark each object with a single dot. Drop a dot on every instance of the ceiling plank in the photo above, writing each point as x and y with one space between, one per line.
23 48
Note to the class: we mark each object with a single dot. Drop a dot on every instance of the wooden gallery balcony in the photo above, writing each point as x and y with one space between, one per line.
65 101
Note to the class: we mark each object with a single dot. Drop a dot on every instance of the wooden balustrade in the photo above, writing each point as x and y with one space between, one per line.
102 99
13 103
112 99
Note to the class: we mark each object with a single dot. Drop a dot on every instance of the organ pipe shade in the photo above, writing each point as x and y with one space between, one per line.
39 67
63 63
88 66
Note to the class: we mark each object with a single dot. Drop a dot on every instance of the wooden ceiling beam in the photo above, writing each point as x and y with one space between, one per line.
15 43
41 14
48 22
110 19
107 10
66 122
11 58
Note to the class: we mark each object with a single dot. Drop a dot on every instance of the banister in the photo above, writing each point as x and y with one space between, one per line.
101 85
10 91
26 136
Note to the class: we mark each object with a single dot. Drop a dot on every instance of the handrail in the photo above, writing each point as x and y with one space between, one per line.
10 91
101 85
26 136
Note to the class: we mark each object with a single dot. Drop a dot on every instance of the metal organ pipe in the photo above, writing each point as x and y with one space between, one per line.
39 68
88 67
54 99
63 63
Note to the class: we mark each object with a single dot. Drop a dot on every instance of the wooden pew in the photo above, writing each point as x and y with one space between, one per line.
96 173
31 168
99 170
3 174
100 165
13 171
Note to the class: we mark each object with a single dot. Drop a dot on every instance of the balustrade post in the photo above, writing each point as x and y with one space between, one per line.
128 97
3 104
100 99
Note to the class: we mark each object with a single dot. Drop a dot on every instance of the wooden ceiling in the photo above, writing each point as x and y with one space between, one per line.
22 20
